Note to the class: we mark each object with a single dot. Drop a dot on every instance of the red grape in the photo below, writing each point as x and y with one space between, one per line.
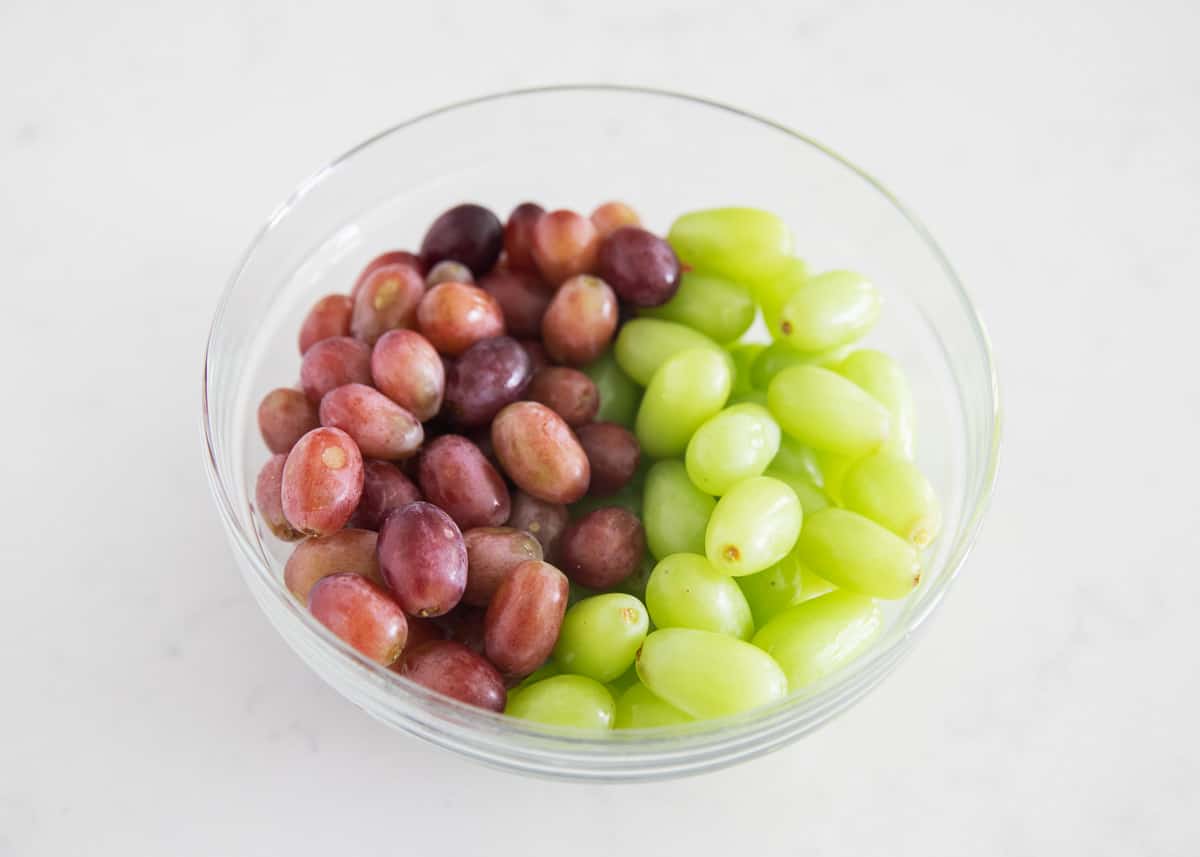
453 670
493 552
332 363
394 257
524 616
454 316
384 488
565 244
580 322
330 316
420 632
641 267
540 452
284 416
467 233
538 357
448 271
523 299
409 371
387 300
322 481
611 216
268 496
346 550
603 547
464 624
518 236
491 374
423 559
542 520
568 392
380 427
456 476
362 614
613 454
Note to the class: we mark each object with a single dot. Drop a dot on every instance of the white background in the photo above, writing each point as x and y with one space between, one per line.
148 708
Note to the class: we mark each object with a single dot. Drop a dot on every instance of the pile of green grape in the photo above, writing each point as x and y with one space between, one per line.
778 492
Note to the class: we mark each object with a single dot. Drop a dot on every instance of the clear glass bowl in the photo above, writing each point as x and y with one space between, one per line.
574 147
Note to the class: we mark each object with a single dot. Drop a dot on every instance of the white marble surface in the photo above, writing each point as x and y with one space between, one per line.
1052 146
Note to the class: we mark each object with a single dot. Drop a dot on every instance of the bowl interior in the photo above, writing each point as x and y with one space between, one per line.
575 148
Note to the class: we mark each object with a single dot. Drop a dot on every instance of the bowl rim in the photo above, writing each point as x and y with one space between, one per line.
572 746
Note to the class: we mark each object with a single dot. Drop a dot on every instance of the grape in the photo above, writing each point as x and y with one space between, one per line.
624 681
603 547
451 669
754 526
268 496
641 267
423 559
685 391
773 292
638 708
284 416
522 297
394 257
322 482
540 453
387 300
492 553
775 358
832 309
795 457
333 363
456 476
645 344
454 316
816 638
740 244
719 309
361 614
786 583
706 674
547 670
565 244
685 591
384 488
879 375
491 374
420 632
677 512
823 410
568 392
543 520
467 233
408 370
736 444
855 553
613 455
348 550
448 271
580 321
611 216
812 499
330 316
833 472
601 635
523 618
464 625
744 354
380 427
518 236
571 701
754 397
891 491
629 498
618 393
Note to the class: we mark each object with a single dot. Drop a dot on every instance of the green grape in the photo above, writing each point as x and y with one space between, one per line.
795 457
891 491
565 700
676 511
753 397
786 583
831 309
638 708
779 356
833 469
754 526
855 553
813 639
644 344
719 309
624 681
685 391
635 584
685 591
601 635
812 499
744 354
546 670
619 395
734 445
706 674
823 410
745 245
773 293
879 375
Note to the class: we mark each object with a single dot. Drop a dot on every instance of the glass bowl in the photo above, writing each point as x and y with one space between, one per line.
574 147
